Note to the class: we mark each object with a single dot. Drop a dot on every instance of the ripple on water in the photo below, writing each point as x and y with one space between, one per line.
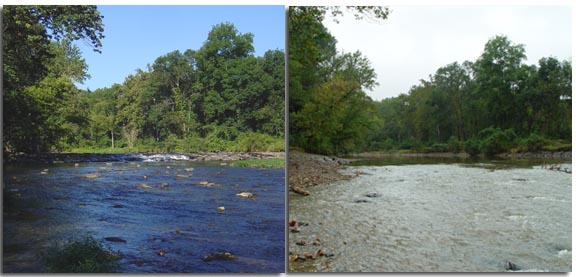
442 217
181 220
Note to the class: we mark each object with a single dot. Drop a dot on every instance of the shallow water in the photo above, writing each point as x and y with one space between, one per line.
181 219
438 218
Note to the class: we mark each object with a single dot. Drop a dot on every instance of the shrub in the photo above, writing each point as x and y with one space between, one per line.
455 145
440 147
534 142
256 142
84 256
472 147
261 163
496 141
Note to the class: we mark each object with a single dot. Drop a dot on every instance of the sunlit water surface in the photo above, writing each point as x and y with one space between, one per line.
175 215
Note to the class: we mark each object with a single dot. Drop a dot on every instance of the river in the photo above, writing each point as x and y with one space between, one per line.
155 204
436 216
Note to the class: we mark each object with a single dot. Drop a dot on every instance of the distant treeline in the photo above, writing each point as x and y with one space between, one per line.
494 104
219 97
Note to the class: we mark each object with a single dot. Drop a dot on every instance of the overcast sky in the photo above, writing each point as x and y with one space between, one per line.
415 41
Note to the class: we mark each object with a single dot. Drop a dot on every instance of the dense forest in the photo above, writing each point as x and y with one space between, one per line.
220 97
495 104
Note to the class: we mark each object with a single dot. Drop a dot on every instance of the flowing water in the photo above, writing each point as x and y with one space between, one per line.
157 204
437 217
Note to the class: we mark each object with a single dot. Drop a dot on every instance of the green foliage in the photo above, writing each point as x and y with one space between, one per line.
37 55
473 147
534 142
440 147
261 163
83 256
217 98
479 103
454 145
329 111
255 142
558 145
496 140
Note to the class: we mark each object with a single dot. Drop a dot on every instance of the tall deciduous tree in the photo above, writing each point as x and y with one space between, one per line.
328 107
27 33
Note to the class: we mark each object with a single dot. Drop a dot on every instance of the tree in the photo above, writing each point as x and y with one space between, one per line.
28 53
454 80
326 87
104 112
497 72
219 60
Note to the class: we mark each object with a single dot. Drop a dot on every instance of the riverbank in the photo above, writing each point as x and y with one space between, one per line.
306 170
541 155
49 158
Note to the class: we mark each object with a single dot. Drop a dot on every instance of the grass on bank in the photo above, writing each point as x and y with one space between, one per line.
261 163
81 256
247 142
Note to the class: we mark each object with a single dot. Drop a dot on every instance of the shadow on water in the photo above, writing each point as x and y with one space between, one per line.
167 221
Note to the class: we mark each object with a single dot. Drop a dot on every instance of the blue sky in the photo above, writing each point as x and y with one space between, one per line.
137 35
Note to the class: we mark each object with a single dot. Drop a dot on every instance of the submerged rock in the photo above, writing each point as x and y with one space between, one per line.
143 186
206 184
361 201
92 175
161 253
115 239
219 256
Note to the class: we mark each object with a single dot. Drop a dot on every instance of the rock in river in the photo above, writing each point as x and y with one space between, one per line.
115 239
92 175
219 256
245 195
143 186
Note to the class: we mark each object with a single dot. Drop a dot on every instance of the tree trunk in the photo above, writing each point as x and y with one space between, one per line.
112 132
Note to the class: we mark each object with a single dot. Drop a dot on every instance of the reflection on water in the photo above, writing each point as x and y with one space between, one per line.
432 217
153 206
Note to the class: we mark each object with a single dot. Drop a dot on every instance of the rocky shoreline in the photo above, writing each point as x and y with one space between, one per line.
306 170
49 158
545 155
